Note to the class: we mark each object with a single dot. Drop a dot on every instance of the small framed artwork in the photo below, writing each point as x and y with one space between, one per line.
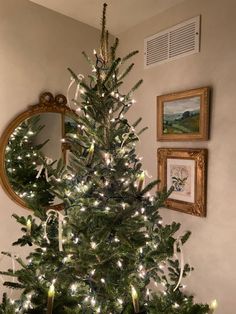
183 116
185 171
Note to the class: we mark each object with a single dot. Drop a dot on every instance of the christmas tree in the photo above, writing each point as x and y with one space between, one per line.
108 251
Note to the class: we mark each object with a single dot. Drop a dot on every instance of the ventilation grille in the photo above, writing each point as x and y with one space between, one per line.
175 42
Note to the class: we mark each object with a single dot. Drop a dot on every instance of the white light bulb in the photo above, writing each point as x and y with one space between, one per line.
93 245
214 304
120 301
76 240
93 301
119 264
176 305
161 266
73 287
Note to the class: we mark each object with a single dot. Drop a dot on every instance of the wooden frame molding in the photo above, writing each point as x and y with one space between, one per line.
199 156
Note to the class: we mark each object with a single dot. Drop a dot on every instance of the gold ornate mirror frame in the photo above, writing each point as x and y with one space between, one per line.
47 104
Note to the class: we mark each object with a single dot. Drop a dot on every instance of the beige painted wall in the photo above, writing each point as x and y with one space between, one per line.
211 249
36 47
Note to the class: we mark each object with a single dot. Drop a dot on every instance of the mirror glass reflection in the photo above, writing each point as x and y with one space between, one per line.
36 141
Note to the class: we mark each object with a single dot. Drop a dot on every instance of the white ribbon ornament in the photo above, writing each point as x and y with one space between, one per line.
48 161
180 257
80 77
125 137
61 217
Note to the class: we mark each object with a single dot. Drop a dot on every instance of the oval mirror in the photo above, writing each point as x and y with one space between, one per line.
32 139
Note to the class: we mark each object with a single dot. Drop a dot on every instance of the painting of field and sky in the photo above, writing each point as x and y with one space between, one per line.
182 116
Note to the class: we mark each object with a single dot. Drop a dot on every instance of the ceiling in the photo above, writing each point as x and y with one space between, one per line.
122 14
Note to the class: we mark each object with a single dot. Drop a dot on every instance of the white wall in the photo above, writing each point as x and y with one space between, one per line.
36 47
211 249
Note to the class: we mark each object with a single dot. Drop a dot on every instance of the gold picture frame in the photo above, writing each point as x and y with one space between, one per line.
183 116
185 170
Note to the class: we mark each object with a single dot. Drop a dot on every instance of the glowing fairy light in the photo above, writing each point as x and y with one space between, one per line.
93 245
119 264
120 301
76 240
73 288
213 306
92 272
176 305
93 301
116 240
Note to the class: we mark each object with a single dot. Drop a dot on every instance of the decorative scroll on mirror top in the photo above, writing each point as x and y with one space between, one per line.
30 143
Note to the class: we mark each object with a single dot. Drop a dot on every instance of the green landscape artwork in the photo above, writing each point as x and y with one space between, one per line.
181 116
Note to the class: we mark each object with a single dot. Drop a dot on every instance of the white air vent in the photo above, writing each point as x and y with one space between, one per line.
175 42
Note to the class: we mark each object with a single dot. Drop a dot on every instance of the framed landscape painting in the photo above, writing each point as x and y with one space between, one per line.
183 116
184 170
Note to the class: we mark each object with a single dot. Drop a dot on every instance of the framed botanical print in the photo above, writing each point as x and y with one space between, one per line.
183 116
185 171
